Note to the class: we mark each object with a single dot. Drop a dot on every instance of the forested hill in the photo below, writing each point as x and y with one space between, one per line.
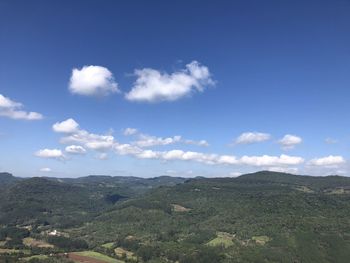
258 217
317 183
68 202
7 178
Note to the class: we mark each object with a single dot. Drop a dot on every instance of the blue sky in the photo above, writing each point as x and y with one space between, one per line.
232 78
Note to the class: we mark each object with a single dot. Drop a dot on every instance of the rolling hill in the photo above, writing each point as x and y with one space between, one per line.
64 202
7 179
258 217
263 217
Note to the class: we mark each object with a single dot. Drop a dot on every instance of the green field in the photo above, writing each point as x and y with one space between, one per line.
223 239
108 245
99 256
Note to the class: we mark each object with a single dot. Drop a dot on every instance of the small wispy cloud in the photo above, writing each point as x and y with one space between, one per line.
289 141
102 156
330 141
150 141
50 154
45 169
13 110
75 149
130 131
252 137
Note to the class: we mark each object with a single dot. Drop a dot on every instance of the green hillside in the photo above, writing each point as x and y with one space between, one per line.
259 217
41 201
7 179
265 217
67 202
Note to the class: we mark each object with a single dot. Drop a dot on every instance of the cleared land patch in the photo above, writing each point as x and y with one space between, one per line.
120 252
304 189
91 257
108 245
31 242
222 239
179 208
38 257
337 191
261 240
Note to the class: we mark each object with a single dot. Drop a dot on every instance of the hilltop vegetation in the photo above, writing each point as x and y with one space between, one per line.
67 202
7 179
266 215
260 217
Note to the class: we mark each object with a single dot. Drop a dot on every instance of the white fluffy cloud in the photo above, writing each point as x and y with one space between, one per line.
227 159
75 149
154 86
208 158
82 137
90 140
252 137
92 81
81 140
50 153
67 126
189 156
327 161
8 103
289 141
13 110
127 149
267 160
148 154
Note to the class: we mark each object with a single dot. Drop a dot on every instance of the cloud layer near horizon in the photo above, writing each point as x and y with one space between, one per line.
153 86
141 147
